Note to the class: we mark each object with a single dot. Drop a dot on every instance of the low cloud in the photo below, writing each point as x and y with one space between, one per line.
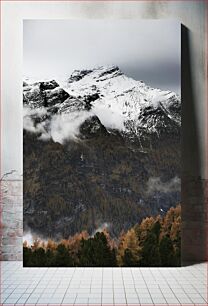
102 226
27 111
29 238
155 184
59 127
29 123
30 126
66 126
110 118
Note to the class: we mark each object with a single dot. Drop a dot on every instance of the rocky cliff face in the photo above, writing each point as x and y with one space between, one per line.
98 148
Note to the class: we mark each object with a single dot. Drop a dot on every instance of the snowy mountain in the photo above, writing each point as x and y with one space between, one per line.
119 102
99 148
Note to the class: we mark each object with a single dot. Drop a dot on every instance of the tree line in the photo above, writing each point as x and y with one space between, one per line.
156 241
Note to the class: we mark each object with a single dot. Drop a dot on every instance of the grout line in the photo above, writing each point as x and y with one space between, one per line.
146 286
113 287
135 286
122 269
102 287
69 285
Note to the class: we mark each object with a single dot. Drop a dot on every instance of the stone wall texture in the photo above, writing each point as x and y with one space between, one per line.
11 220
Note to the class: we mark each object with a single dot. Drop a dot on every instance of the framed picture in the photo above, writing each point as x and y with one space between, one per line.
102 143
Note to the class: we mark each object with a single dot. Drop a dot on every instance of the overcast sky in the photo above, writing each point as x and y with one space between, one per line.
148 50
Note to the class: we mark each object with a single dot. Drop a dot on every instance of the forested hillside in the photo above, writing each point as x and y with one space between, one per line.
100 150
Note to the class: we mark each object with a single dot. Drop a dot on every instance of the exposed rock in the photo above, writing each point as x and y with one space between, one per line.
43 94
92 127
78 75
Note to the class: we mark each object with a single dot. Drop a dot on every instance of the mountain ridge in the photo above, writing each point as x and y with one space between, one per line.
119 102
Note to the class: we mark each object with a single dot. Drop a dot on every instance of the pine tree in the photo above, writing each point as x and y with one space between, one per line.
38 257
167 252
156 227
27 257
95 252
63 258
150 251
128 259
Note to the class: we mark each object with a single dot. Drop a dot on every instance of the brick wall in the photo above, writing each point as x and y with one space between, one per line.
11 220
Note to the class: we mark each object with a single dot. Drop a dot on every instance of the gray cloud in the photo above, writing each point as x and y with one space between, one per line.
158 73
143 49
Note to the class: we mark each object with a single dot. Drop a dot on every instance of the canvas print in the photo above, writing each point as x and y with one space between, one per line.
101 135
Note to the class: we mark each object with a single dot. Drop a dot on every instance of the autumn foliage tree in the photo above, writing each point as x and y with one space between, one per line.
156 241
128 253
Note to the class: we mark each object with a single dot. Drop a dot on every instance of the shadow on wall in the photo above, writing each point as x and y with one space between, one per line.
193 248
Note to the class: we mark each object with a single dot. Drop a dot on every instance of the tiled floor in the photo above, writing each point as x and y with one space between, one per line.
106 286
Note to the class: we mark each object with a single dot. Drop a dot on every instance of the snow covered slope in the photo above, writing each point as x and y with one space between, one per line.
121 103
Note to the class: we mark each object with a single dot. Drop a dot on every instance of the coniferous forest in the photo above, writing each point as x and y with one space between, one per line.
156 241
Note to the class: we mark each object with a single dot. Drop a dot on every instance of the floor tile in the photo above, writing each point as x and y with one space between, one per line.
131 286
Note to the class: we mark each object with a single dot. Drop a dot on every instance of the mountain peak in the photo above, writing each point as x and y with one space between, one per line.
98 72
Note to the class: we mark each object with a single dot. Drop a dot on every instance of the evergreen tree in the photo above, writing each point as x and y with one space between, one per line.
27 257
95 252
129 259
178 254
156 227
62 257
38 257
50 258
167 252
150 251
